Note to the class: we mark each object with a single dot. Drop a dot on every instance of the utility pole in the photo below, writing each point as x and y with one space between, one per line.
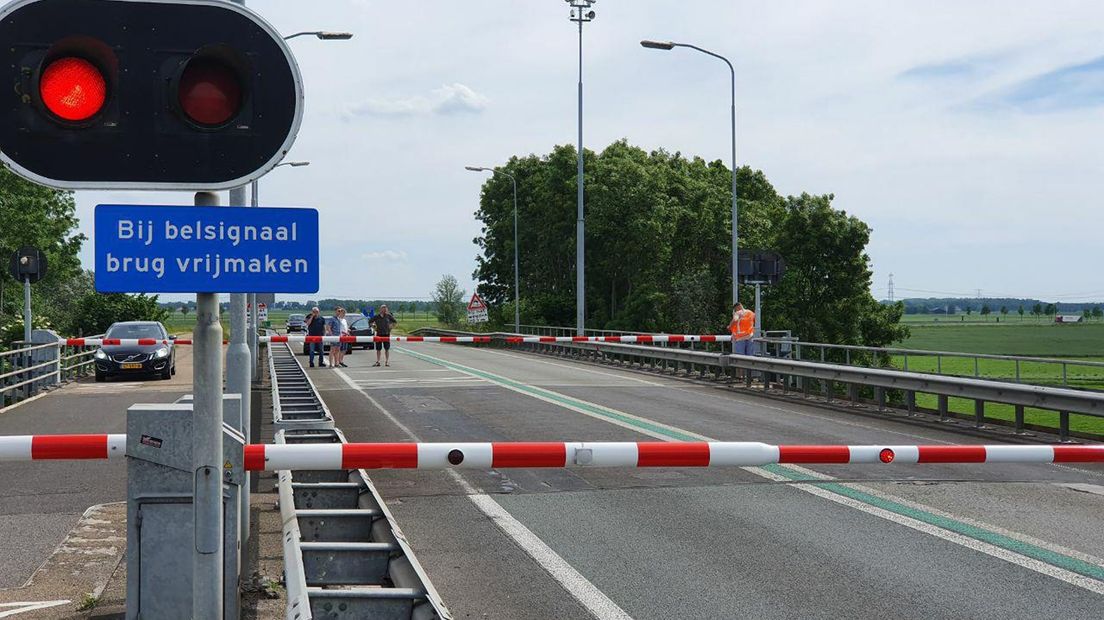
891 288
581 13
207 552
239 376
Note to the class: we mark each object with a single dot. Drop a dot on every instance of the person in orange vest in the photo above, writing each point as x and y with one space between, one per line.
742 328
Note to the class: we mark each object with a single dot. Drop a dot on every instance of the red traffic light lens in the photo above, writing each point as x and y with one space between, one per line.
73 89
210 92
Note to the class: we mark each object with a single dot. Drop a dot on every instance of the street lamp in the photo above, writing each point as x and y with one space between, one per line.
668 45
581 13
517 313
323 35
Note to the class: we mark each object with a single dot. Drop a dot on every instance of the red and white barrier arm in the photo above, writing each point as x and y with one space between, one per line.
100 342
509 339
367 339
637 454
259 457
62 447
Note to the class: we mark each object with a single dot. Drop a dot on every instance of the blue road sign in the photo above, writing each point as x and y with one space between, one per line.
162 249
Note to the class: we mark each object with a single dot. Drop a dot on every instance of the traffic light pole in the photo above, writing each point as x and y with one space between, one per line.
27 310
238 374
253 322
207 573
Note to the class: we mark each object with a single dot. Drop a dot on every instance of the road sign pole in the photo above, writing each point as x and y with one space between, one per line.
27 310
238 374
207 556
254 372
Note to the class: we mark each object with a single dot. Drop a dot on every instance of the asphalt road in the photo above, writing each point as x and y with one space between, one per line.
966 541
41 501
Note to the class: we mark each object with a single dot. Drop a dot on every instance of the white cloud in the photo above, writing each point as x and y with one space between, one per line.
452 98
391 256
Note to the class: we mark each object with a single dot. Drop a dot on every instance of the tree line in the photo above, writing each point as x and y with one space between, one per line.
65 300
658 248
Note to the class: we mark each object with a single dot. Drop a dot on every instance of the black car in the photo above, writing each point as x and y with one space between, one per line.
361 327
136 359
296 323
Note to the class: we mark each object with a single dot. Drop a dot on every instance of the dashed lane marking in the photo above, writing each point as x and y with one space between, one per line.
1047 560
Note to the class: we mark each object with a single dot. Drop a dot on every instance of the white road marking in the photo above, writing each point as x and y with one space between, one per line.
586 593
1012 557
28 606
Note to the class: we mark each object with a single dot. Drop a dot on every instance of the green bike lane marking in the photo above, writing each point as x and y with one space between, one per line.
1035 552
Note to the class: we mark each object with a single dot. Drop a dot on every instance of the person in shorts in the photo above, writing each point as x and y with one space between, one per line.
334 326
382 323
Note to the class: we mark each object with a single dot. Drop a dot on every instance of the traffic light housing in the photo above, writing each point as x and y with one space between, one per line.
144 94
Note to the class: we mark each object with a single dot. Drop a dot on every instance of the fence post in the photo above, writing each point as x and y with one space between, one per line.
1063 426
1019 419
942 407
910 399
881 394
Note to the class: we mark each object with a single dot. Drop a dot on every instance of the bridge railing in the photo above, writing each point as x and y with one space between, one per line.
1081 374
887 388
27 369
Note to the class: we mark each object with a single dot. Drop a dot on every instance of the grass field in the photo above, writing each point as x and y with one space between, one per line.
1075 342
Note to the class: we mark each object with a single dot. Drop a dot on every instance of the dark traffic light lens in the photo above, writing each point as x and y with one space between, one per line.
210 92
73 89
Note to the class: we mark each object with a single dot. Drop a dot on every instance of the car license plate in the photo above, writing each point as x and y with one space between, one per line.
131 366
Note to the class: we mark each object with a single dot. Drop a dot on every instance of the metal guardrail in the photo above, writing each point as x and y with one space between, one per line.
23 376
802 376
295 401
868 357
344 555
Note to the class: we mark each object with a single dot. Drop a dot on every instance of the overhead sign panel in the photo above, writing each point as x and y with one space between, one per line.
144 94
162 249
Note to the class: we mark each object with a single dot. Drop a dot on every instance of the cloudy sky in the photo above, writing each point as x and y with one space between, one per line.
968 134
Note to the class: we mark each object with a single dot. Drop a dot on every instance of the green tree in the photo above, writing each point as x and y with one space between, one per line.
1037 310
1021 311
448 297
1097 312
1004 310
1051 309
184 310
97 311
45 218
659 247
985 310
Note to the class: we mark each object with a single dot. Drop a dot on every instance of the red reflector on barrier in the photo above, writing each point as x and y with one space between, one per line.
672 454
886 455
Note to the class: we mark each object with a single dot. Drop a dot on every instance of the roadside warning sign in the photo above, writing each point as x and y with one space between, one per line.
262 312
477 309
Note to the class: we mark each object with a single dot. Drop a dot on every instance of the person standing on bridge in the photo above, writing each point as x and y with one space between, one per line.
742 327
316 326
382 323
337 326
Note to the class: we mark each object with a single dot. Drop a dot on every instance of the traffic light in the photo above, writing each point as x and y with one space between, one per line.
144 94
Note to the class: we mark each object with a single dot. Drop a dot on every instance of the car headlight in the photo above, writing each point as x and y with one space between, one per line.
99 354
162 352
